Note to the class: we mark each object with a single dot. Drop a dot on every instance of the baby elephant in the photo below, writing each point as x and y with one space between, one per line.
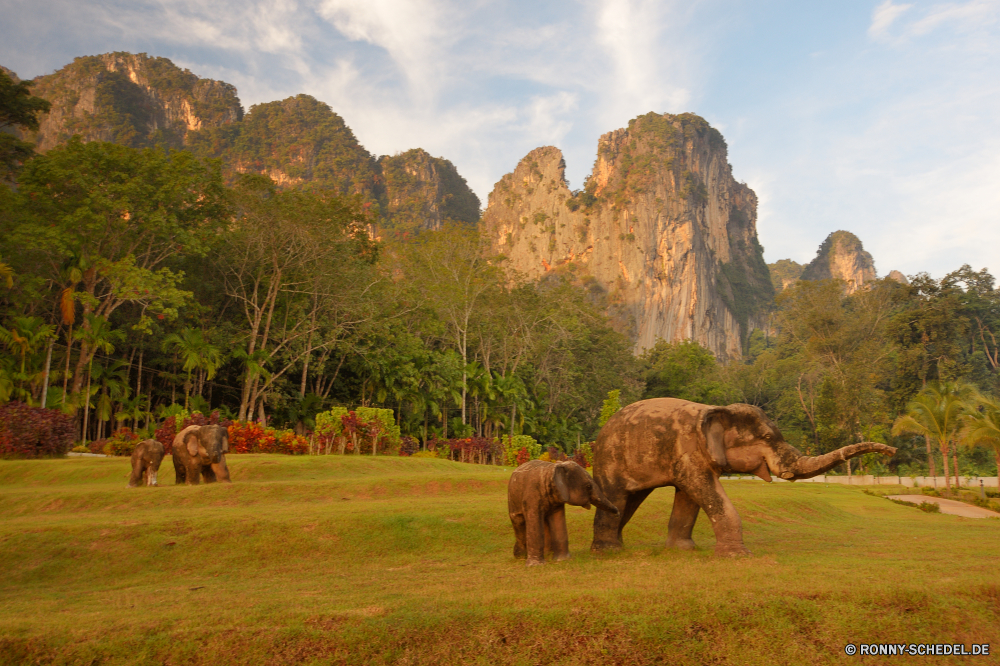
146 459
536 497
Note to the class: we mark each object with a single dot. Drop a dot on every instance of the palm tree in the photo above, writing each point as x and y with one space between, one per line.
100 337
981 425
935 412
197 354
24 337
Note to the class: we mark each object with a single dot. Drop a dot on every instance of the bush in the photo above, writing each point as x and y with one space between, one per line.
513 446
424 454
250 437
34 432
80 449
122 443
408 446
523 456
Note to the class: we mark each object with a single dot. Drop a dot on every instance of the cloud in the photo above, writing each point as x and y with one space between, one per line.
883 17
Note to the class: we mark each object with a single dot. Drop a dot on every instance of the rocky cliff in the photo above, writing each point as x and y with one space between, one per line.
841 257
422 192
131 99
661 228
139 101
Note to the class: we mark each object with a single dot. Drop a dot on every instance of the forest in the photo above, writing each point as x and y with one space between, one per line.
139 286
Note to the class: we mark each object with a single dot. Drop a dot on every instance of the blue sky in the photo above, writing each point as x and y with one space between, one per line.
879 117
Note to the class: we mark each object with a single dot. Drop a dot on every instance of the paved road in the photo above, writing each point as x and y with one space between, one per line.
953 507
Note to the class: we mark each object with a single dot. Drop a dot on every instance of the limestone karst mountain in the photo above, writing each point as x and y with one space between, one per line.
131 99
898 277
140 101
424 191
841 256
661 229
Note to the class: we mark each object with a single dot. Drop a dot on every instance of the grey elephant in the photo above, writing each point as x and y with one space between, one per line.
667 442
200 452
536 497
146 459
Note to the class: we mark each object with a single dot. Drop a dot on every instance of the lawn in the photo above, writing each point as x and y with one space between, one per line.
354 560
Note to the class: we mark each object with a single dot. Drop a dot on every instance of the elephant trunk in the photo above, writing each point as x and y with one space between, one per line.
598 499
806 467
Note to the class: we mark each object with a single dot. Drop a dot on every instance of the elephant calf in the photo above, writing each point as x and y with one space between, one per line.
199 452
146 459
536 497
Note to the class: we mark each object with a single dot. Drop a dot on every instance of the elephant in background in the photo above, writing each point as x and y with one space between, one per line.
200 451
669 442
536 497
146 459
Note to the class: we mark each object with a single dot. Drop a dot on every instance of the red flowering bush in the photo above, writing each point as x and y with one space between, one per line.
580 459
523 456
254 438
34 432
122 443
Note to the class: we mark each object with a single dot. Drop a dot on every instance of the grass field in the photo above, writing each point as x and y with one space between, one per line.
347 560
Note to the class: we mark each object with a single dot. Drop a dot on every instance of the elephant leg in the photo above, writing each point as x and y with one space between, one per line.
726 523
136 476
556 524
208 473
180 472
632 502
535 537
520 549
682 519
193 474
548 538
221 471
607 536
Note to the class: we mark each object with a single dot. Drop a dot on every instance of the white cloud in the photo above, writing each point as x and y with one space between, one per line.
883 17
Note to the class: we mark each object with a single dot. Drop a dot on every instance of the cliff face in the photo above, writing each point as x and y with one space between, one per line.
422 192
130 99
139 101
297 141
841 257
662 228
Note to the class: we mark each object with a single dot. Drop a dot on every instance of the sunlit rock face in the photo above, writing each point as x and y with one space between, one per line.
841 257
662 230
898 277
131 99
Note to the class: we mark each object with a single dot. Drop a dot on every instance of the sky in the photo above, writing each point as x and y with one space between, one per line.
875 116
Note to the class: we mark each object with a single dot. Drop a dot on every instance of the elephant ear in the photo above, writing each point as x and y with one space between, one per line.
713 427
191 442
561 483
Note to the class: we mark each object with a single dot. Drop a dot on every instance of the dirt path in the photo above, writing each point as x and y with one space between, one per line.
953 507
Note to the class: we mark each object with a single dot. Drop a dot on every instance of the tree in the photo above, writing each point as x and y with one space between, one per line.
24 337
118 216
455 273
981 425
610 406
18 108
935 413
98 336
684 370
197 354
294 263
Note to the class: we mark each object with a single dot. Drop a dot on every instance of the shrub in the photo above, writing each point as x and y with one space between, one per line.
424 454
579 458
80 449
586 452
251 437
408 446
513 445
523 456
122 443
34 432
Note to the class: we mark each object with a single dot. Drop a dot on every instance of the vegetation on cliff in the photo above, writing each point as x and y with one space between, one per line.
424 192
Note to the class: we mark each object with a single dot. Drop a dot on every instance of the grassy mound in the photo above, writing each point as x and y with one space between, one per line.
354 560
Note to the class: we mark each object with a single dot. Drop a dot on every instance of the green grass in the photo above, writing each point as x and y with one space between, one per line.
347 560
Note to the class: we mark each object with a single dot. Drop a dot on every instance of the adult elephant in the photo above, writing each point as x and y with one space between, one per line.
669 442
200 452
